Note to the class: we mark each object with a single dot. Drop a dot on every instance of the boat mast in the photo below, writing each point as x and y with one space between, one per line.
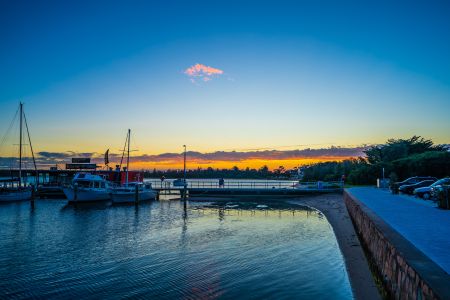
128 156
184 168
20 147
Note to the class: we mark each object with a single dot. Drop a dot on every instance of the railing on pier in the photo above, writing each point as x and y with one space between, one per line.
246 184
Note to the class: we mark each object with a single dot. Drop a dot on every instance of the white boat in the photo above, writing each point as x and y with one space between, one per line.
16 189
87 187
127 192
10 193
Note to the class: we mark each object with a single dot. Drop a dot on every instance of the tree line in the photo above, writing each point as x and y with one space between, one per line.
234 172
400 159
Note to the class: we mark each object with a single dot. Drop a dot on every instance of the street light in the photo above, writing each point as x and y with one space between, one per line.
184 164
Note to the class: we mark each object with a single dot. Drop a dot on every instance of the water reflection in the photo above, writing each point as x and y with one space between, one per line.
169 250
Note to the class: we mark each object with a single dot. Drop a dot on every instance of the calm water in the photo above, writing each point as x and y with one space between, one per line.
164 251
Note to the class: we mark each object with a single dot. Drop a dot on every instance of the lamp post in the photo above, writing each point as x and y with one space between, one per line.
184 175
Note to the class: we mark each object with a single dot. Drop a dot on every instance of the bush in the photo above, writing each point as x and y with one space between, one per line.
443 197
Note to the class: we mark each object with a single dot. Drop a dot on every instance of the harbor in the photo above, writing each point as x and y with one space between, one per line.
51 182
416 255
223 150
378 248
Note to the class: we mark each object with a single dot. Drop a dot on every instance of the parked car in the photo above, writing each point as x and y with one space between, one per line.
409 188
412 180
425 192
435 189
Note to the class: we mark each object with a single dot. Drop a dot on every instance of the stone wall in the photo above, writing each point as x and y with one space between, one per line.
405 271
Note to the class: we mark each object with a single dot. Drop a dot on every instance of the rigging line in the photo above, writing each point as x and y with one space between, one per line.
135 145
9 128
29 140
123 151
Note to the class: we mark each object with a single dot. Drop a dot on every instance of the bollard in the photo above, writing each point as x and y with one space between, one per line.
75 193
184 194
136 194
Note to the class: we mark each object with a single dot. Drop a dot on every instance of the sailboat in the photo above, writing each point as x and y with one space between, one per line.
128 192
15 189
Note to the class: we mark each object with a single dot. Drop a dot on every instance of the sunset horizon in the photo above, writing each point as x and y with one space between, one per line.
277 75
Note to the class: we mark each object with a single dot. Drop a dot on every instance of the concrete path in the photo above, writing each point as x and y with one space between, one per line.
420 222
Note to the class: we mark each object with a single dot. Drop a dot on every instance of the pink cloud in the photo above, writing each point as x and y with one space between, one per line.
202 72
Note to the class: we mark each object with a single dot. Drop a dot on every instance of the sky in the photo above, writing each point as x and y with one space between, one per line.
223 76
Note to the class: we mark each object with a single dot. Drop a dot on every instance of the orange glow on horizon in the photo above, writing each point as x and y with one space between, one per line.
250 163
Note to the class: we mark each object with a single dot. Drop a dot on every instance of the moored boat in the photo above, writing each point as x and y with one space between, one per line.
10 191
127 194
128 191
87 187
15 189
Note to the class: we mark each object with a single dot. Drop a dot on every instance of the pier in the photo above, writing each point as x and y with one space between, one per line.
233 187
51 180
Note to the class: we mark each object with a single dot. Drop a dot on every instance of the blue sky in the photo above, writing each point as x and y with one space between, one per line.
312 73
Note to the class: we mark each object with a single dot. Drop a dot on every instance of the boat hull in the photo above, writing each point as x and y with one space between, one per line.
129 197
87 195
11 196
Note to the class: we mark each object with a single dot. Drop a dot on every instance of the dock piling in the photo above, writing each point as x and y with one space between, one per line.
33 194
136 194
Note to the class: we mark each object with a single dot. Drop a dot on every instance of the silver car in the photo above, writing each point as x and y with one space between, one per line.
427 192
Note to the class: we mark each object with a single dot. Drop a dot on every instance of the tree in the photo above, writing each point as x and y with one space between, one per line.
264 169
279 171
399 148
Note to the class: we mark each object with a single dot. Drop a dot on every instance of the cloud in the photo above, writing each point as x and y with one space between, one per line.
263 155
166 160
44 155
53 155
45 159
202 72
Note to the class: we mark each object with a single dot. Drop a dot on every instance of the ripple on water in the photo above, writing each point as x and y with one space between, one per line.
161 251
